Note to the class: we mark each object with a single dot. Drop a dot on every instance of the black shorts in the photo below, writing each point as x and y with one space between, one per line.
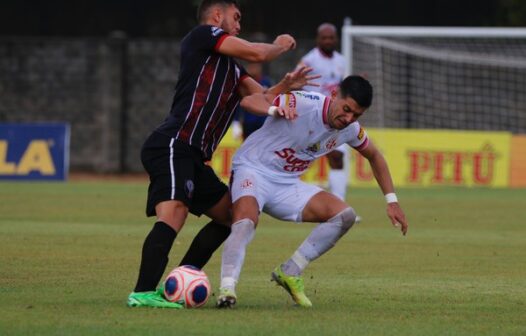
177 172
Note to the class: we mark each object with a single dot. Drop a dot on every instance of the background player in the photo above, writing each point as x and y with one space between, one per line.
330 64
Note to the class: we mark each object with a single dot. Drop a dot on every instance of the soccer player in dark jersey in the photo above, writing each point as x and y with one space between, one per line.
211 83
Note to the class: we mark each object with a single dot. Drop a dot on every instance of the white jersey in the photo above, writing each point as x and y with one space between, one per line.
331 69
284 149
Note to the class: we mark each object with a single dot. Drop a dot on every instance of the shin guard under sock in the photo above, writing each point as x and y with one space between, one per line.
155 252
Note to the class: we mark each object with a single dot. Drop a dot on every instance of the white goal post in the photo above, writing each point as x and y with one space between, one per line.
441 77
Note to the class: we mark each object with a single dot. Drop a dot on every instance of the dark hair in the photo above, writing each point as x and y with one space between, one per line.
206 4
359 89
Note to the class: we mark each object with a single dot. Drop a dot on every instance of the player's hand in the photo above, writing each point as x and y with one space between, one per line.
397 217
288 113
285 41
300 77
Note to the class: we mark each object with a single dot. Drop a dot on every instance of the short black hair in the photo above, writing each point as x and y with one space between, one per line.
206 4
359 89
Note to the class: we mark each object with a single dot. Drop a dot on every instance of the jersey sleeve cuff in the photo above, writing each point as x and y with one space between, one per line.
243 77
363 145
220 41
276 101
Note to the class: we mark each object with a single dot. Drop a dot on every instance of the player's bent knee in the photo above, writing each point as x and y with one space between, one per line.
171 209
242 232
244 225
172 212
347 218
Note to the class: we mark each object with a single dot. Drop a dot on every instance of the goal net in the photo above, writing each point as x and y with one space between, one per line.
448 78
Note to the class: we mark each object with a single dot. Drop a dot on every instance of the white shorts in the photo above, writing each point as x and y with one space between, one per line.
284 200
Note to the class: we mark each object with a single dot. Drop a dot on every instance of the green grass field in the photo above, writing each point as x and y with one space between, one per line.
69 256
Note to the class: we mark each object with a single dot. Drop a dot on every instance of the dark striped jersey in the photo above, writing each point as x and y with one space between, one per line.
206 93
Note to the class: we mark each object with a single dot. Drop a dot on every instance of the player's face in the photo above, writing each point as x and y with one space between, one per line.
343 111
231 20
327 40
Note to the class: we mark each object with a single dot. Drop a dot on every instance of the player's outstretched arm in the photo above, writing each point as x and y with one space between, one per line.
260 104
256 52
383 177
294 80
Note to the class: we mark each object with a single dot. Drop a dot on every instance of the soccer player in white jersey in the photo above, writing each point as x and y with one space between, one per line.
330 64
267 170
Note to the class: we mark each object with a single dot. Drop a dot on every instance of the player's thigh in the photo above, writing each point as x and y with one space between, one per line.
172 212
221 211
289 200
211 196
322 206
170 166
246 182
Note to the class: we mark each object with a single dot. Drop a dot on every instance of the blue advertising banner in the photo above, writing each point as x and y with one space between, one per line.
34 151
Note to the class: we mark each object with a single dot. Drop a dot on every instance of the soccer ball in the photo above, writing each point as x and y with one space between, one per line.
187 285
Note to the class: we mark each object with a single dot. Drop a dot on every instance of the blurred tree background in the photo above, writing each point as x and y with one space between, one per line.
169 18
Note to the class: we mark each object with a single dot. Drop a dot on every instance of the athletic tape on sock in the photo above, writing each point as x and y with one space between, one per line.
228 282
300 260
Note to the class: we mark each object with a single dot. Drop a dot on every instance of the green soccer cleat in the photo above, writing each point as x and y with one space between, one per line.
227 298
293 285
160 290
151 299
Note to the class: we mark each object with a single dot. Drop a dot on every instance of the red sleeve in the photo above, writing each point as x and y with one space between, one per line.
220 41
243 77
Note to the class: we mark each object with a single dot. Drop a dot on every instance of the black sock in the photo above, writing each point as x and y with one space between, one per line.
155 251
205 243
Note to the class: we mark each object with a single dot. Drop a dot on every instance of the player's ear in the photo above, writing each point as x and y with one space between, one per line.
217 15
334 93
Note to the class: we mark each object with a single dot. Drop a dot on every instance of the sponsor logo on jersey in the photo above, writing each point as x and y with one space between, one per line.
330 144
216 31
292 163
308 95
290 100
361 133
314 147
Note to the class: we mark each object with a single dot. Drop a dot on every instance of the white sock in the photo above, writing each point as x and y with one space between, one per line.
322 238
234 252
338 179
